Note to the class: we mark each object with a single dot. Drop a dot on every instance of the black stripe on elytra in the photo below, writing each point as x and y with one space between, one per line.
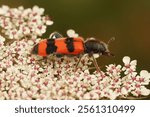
69 44
51 48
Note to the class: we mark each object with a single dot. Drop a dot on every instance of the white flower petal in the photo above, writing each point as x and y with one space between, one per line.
145 74
87 96
134 73
113 95
71 33
118 66
145 91
30 42
49 22
126 60
124 91
96 55
134 62
2 39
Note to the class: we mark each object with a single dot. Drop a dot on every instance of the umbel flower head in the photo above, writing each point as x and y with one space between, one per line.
18 23
27 76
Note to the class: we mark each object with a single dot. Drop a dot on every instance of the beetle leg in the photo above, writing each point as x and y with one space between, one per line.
95 64
78 63
59 55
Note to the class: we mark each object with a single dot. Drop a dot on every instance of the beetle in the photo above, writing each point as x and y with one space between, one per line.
59 45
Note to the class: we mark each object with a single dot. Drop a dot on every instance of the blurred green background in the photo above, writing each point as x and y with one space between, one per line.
126 20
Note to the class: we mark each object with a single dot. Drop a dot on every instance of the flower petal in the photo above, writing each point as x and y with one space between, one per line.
145 91
144 73
126 60
2 39
96 55
134 62
124 91
72 33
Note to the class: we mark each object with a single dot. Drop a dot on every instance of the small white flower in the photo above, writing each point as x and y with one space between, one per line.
136 92
4 9
72 33
87 96
112 94
25 30
145 91
113 70
12 34
145 74
144 77
38 10
129 63
30 42
2 39
126 60
49 22
129 66
124 91
21 8
40 30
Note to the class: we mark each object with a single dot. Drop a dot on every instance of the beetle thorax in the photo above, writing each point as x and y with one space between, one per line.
95 46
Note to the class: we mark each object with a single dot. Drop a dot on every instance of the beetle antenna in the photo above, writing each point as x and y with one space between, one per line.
110 40
55 35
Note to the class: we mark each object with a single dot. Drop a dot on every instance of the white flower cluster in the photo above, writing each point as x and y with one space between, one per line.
27 76
18 23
